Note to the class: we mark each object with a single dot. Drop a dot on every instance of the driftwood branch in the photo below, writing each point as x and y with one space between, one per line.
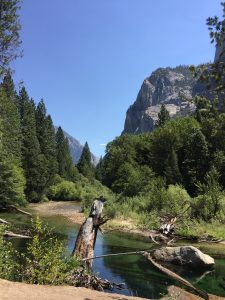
15 235
173 275
116 254
2 221
203 276
20 210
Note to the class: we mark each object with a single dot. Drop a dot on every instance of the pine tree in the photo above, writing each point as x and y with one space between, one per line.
10 118
194 159
163 116
99 170
46 138
171 171
84 165
9 33
66 169
12 181
34 163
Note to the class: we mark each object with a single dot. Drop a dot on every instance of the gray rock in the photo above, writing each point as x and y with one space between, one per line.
184 255
76 149
167 86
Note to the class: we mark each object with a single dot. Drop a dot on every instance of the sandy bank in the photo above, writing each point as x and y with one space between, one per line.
22 291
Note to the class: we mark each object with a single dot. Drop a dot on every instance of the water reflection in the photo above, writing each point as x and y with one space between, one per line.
140 277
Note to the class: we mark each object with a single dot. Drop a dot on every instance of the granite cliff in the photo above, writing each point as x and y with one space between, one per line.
165 85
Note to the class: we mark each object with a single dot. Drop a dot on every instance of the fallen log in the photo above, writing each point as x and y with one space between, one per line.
173 275
2 221
85 242
20 210
15 235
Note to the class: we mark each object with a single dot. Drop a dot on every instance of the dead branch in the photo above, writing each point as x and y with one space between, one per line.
203 276
154 241
82 279
176 277
2 221
15 235
20 210
117 254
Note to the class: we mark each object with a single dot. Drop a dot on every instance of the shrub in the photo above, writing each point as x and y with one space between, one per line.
210 203
45 262
8 262
64 190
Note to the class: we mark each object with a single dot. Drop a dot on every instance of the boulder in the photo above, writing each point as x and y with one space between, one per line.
185 256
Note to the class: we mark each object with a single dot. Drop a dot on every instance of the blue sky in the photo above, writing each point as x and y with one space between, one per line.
87 58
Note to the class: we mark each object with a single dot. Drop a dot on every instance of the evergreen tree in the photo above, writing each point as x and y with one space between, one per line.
99 170
193 159
12 181
46 138
10 118
66 169
34 163
9 33
171 171
163 116
84 165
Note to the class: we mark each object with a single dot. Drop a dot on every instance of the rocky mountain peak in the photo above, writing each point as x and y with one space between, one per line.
165 85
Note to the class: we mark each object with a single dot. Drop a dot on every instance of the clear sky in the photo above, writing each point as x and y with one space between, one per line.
87 58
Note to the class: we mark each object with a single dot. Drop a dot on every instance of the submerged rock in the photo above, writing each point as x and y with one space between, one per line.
185 256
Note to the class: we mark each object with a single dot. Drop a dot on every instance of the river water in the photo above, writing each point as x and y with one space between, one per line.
140 277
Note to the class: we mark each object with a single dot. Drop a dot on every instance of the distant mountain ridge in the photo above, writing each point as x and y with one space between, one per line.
76 149
164 86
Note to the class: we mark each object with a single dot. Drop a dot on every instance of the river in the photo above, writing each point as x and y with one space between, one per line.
140 277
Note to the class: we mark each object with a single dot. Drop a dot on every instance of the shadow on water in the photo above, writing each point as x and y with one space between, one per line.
140 277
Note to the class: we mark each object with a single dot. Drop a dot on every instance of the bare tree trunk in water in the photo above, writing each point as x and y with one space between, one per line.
85 242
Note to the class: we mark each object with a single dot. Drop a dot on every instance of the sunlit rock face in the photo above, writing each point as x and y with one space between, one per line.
220 50
169 86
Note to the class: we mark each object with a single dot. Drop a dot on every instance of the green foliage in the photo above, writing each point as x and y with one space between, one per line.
46 137
210 204
163 116
131 180
45 262
64 190
84 165
8 265
9 33
33 161
9 114
12 182
66 169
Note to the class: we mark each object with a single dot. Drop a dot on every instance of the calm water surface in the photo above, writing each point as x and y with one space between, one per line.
140 277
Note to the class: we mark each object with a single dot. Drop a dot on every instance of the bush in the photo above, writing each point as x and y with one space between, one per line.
64 190
210 203
8 259
45 262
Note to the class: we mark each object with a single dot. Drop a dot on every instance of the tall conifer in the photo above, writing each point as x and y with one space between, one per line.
46 138
66 169
84 165
33 161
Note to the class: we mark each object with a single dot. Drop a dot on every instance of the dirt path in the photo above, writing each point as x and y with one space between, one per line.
22 291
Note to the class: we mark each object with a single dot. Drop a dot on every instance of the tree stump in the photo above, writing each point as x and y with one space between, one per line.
85 242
